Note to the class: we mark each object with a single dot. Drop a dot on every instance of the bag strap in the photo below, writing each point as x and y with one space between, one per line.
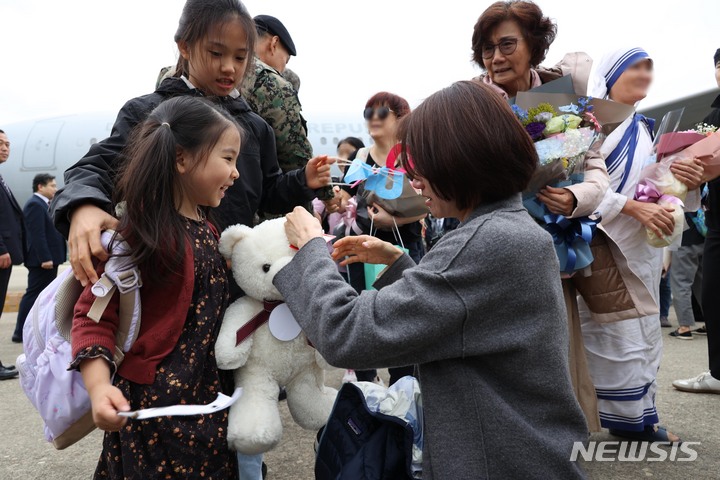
395 230
125 310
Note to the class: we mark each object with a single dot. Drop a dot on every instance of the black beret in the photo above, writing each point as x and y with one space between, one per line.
275 27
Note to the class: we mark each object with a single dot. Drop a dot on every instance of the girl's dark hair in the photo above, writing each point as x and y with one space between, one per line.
199 16
480 155
148 182
397 104
538 31
356 143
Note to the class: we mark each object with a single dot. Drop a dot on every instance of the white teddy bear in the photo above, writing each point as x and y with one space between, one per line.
263 363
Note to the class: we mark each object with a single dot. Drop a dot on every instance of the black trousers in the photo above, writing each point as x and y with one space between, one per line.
4 280
38 279
711 299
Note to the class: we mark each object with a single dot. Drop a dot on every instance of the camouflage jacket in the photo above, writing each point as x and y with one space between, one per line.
273 98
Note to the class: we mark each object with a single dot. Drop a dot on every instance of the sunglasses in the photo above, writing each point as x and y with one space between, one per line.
506 47
382 113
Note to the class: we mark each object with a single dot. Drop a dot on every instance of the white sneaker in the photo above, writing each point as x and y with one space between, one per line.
703 383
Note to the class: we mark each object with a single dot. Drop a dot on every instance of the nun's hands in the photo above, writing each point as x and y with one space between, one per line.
657 218
689 171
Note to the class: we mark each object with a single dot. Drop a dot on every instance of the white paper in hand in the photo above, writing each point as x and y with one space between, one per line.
282 324
221 402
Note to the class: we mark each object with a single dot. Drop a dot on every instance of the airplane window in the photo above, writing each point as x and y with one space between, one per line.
323 141
93 141
335 140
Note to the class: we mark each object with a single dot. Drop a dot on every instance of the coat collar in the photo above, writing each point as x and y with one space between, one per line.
512 203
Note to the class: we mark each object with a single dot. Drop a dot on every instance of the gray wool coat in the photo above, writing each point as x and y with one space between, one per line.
484 318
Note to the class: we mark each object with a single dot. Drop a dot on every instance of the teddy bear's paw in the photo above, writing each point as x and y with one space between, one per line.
252 441
310 408
229 356
322 363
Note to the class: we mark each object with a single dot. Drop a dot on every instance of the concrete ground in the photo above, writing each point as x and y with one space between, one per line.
24 454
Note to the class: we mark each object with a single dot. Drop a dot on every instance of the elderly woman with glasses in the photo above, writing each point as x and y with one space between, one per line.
510 40
481 314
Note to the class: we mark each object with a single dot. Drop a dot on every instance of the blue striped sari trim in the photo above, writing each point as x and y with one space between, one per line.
629 58
623 394
649 417
625 150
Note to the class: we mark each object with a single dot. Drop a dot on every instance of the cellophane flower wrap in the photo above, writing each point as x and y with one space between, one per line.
659 185
562 136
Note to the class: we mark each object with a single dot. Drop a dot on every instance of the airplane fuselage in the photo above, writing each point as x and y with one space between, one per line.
52 145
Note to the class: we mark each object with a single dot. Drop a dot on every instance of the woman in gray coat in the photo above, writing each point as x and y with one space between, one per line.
482 314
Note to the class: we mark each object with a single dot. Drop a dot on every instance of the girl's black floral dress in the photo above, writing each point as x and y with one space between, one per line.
183 446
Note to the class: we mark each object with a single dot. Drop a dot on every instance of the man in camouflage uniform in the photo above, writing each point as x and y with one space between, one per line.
274 97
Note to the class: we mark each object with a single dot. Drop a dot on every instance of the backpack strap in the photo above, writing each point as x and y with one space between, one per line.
125 282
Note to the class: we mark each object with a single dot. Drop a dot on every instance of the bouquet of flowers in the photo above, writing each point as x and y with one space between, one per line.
563 128
660 186
562 137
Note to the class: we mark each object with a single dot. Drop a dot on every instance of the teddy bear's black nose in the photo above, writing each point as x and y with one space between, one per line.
266 268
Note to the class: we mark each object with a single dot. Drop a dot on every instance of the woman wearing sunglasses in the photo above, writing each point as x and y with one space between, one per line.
382 114
510 40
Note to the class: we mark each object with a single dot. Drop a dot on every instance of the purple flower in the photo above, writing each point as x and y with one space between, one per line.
535 130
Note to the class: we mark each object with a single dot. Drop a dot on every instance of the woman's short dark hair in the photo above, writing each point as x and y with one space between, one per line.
468 145
538 31
397 104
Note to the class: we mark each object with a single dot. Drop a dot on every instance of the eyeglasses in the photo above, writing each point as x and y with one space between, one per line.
506 47
382 112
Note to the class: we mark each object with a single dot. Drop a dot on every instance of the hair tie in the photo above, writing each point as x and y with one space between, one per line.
165 124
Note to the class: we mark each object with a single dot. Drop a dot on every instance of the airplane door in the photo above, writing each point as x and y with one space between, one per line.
39 151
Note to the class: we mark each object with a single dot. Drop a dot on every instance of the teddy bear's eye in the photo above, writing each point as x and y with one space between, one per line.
266 268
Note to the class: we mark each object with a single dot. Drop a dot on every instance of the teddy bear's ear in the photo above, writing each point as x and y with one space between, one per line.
230 237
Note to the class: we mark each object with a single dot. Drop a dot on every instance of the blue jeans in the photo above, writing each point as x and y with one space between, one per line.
250 466
665 295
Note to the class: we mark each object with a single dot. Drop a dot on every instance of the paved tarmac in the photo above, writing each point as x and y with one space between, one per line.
24 454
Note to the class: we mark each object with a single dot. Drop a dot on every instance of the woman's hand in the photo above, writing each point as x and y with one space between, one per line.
338 203
317 172
689 171
365 249
380 217
559 201
86 224
301 227
657 218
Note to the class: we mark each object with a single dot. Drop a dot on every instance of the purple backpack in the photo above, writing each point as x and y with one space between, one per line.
58 394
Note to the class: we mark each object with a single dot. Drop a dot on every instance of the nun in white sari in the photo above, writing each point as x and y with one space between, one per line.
624 357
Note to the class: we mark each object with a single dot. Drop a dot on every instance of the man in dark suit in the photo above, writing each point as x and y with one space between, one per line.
12 244
45 246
